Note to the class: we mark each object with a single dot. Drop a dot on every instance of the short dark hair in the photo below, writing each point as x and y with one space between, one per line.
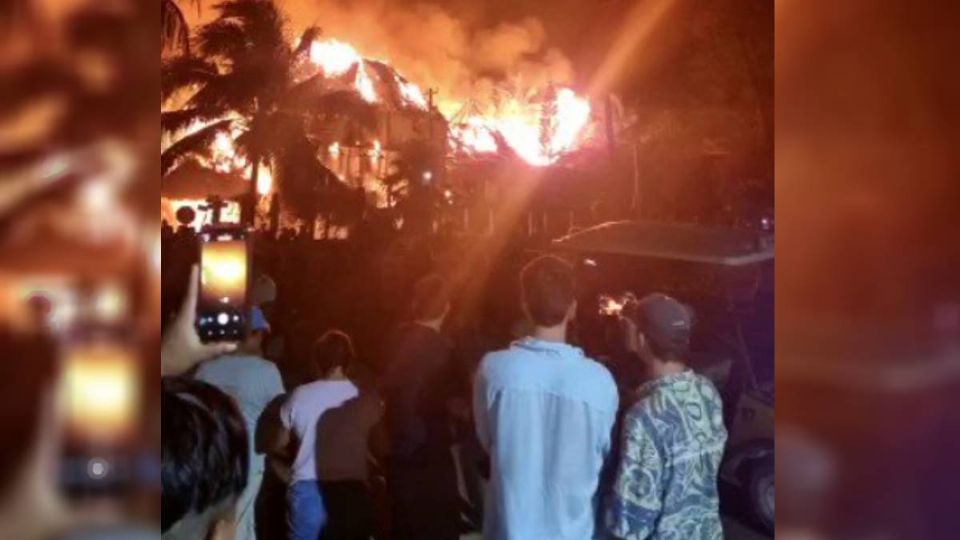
205 450
334 349
431 296
548 289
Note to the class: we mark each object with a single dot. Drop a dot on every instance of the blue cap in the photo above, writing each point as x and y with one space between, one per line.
258 321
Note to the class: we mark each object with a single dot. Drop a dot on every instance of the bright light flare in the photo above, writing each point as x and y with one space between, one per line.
334 57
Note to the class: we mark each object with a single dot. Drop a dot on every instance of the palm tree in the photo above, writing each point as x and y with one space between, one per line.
174 31
244 82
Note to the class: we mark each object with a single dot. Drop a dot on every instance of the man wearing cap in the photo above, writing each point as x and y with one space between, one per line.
253 383
673 437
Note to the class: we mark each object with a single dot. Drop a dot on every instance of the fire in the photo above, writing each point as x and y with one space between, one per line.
225 159
364 84
538 129
611 306
521 124
412 94
573 115
334 57
519 119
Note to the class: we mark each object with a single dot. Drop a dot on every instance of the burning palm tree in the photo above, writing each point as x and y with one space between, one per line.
174 31
241 94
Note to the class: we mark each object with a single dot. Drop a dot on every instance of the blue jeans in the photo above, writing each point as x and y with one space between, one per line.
307 515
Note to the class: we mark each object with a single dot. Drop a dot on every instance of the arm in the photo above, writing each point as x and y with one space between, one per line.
636 503
273 439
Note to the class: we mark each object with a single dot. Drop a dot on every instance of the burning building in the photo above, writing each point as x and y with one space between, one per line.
532 126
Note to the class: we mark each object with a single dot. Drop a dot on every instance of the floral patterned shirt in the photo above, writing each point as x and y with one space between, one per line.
672 443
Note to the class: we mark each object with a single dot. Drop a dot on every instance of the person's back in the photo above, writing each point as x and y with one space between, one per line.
544 412
343 418
330 421
549 412
415 392
421 473
673 439
253 383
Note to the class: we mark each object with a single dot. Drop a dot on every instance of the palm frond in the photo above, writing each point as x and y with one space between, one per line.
226 92
193 145
223 38
174 32
175 121
184 71
307 38
261 21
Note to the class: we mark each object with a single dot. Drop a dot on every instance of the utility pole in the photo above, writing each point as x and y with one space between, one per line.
430 111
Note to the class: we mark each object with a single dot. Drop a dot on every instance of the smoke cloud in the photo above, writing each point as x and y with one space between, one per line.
436 49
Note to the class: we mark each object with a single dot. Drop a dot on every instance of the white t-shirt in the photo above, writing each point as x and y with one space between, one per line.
332 422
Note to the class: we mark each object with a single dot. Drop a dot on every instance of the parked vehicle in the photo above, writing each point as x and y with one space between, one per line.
726 275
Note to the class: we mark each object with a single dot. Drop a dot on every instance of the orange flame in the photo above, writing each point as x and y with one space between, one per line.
225 159
519 120
364 84
334 57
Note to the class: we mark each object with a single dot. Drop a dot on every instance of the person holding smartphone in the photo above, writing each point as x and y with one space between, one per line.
253 382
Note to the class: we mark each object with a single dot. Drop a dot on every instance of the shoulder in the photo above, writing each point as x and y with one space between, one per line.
599 374
706 388
266 373
496 359
600 381
303 392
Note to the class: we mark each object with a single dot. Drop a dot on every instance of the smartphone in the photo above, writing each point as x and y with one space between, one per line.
101 403
223 304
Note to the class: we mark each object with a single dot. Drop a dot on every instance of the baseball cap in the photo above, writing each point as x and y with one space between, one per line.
663 320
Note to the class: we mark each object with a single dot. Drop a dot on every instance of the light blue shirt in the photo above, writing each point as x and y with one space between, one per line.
253 383
544 412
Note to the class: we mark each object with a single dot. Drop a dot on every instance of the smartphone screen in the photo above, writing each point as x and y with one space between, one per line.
222 309
101 399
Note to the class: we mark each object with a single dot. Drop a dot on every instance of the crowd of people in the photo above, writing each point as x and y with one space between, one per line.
532 440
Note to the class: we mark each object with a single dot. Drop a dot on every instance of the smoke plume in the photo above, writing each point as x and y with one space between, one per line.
437 49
